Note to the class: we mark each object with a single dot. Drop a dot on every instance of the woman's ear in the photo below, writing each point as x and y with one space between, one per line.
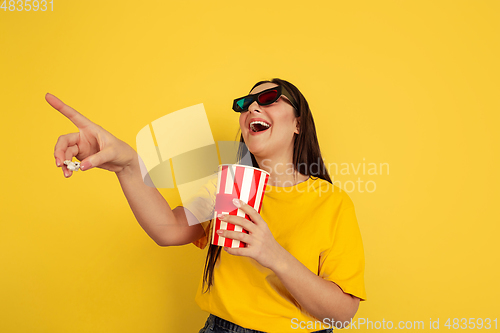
297 129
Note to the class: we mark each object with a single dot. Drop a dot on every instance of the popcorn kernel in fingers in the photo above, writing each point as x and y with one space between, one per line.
72 166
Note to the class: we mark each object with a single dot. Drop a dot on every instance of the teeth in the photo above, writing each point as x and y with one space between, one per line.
258 122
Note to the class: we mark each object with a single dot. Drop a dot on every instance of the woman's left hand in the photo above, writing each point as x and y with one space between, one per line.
261 244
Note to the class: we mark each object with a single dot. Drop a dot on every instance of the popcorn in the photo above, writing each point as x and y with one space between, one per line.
73 166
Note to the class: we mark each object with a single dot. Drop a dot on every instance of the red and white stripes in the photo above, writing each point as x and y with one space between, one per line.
236 181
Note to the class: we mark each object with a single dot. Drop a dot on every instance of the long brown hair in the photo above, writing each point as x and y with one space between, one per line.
306 153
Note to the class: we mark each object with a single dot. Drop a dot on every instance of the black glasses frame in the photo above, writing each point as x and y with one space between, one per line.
249 99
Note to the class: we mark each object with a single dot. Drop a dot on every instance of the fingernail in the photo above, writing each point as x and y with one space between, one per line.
221 216
58 163
66 174
85 165
236 202
219 232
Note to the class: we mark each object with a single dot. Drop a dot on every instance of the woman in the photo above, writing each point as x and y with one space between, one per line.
303 264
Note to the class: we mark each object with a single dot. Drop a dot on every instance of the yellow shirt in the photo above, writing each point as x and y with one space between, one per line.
316 222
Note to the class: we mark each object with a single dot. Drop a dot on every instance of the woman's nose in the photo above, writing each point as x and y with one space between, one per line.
254 107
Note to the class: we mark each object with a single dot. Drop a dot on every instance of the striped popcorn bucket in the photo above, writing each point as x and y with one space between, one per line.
242 182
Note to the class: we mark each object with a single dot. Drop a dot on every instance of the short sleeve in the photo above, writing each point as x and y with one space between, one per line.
344 262
202 206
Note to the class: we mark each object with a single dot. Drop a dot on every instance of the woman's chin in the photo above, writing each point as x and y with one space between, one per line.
256 150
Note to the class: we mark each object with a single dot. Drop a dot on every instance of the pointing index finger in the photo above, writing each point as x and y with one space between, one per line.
74 116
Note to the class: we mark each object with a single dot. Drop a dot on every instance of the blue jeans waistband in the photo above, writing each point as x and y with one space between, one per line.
233 328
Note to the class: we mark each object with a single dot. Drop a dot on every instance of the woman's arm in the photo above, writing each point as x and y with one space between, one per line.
320 297
97 148
165 226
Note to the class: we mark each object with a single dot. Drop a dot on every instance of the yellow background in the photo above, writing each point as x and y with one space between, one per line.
410 83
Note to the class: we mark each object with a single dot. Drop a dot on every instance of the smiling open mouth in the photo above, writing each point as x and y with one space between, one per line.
259 126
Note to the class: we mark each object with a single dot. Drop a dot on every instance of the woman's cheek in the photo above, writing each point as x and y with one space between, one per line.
242 122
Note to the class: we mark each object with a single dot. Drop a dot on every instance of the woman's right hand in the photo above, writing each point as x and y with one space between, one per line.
93 146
